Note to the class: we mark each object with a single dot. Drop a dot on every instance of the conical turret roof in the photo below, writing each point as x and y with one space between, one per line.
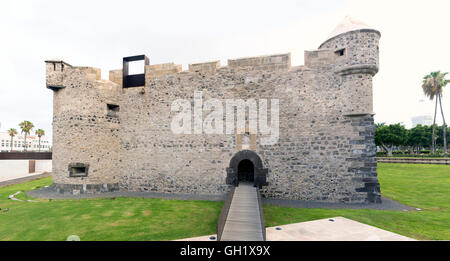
347 25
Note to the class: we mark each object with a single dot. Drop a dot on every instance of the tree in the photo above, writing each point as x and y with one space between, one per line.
26 127
387 136
419 137
40 133
12 132
440 136
432 86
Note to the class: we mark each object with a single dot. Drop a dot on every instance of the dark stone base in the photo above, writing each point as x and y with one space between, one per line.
76 189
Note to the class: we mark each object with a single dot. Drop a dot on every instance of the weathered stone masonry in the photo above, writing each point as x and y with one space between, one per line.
107 137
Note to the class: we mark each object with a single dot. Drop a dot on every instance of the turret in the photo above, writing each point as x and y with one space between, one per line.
85 129
352 51
55 71
351 54
355 47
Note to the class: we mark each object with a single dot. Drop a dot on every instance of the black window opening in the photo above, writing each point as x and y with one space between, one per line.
340 52
112 110
78 170
133 80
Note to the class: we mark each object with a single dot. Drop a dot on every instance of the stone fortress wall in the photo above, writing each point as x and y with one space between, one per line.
325 152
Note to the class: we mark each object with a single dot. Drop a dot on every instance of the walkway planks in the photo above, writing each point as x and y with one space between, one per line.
243 222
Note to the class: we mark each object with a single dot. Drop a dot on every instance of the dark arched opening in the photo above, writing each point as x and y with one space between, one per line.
246 165
246 171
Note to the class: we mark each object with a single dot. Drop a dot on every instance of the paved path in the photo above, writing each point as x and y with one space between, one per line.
243 222
331 229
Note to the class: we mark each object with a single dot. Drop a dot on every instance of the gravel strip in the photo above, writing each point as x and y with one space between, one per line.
49 193
387 204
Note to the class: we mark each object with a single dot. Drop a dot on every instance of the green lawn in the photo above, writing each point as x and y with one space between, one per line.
424 186
103 219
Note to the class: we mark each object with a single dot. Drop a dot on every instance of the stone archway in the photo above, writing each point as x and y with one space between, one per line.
242 163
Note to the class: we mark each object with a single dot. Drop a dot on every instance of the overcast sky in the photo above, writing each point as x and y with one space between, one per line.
414 41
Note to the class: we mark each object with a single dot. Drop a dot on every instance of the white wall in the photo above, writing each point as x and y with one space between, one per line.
11 169
43 166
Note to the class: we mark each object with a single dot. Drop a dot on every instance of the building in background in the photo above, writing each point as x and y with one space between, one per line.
422 120
18 142
421 117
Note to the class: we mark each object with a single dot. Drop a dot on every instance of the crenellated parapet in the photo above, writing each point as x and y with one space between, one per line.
319 58
267 62
206 67
159 70
55 73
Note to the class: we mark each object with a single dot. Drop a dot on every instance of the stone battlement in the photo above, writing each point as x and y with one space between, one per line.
209 67
265 62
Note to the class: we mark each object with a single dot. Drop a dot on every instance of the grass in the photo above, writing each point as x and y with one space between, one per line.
423 186
103 219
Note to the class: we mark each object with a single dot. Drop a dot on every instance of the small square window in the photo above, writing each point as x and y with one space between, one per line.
340 52
112 109
78 170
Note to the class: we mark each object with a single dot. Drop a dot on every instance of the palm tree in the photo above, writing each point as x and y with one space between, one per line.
432 86
40 133
26 127
12 132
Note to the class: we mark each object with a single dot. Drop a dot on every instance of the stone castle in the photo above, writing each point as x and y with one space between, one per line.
115 134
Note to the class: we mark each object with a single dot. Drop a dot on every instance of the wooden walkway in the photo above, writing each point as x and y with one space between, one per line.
243 221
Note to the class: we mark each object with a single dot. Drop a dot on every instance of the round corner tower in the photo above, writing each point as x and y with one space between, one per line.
355 51
85 129
356 60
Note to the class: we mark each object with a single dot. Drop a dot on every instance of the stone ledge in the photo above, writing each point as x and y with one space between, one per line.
358 114
359 68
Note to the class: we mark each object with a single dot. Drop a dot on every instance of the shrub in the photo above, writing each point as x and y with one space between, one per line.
381 154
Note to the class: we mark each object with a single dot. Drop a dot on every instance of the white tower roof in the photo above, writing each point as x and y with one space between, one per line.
347 25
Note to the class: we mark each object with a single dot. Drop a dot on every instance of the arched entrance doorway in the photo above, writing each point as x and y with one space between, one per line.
246 171
246 166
